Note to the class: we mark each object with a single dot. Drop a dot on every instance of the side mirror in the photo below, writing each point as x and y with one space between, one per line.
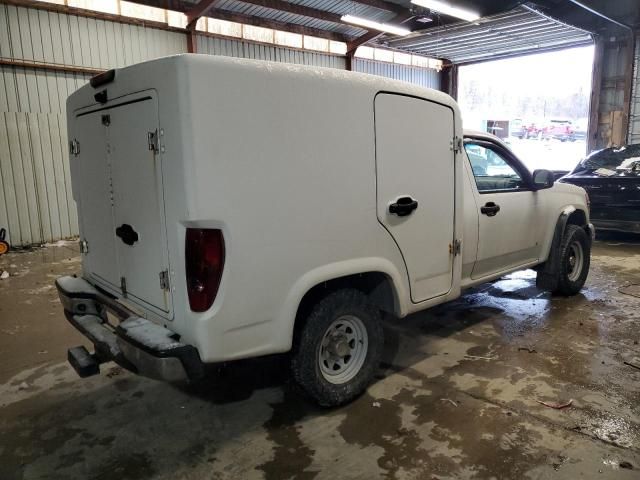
543 179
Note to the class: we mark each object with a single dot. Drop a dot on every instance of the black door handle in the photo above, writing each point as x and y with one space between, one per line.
127 234
403 206
490 209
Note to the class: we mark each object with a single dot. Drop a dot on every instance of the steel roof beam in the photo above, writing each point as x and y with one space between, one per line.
199 10
371 35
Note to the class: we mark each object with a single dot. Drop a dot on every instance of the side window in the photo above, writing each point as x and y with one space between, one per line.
491 171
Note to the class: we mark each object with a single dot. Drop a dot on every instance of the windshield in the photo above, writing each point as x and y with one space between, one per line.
613 159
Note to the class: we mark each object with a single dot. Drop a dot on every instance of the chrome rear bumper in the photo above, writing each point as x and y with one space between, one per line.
136 343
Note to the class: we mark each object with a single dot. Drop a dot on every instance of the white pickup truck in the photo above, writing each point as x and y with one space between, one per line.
232 209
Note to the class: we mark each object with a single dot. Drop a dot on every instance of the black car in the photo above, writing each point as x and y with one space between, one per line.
611 177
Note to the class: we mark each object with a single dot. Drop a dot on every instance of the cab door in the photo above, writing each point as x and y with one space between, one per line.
508 209
415 187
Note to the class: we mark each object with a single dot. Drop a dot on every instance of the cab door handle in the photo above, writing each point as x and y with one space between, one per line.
403 206
490 209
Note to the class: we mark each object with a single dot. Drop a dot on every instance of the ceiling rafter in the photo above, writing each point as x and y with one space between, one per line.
372 35
199 10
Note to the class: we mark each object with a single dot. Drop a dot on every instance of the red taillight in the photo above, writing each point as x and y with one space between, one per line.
204 260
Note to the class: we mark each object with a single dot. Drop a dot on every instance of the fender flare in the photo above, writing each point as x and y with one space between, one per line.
549 270
337 270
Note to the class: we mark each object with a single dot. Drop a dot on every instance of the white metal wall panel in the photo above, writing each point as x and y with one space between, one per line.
37 204
419 76
35 189
634 116
43 36
244 49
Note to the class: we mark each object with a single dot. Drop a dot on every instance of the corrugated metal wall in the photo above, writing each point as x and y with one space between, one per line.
35 189
244 49
420 76
634 115
36 203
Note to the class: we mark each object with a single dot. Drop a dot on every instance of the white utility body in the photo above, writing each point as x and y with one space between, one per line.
232 209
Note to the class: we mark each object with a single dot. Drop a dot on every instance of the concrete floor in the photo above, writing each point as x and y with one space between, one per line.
456 396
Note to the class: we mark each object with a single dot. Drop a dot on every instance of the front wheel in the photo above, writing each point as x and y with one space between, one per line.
338 347
575 259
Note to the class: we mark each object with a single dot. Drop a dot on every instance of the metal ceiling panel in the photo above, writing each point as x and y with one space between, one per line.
521 31
334 6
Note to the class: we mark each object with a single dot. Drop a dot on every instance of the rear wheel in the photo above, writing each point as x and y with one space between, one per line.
575 259
338 347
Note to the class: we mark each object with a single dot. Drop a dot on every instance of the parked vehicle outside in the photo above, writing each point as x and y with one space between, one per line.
284 211
611 177
559 129
528 129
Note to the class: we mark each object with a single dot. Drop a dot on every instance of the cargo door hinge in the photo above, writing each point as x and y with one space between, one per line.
456 248
84 246
123 286
152 138
164 280
456 145
74 147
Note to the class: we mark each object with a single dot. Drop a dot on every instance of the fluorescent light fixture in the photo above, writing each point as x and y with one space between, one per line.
383 27
447 9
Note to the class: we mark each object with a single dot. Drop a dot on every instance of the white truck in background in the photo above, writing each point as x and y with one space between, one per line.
233 209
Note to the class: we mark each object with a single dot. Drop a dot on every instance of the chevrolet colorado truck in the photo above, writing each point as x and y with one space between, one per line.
233 209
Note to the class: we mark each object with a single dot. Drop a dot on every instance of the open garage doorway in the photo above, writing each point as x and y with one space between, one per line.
539 104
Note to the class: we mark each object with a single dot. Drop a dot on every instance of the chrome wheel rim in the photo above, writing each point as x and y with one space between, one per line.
343 349
575 261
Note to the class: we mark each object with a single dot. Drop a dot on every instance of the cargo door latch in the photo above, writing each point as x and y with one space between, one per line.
74 147
164 280
455 248
152 138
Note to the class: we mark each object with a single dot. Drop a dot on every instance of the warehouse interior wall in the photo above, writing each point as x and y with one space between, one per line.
45 55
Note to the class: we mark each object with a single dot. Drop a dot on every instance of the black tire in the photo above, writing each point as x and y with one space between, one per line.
310 372
569 281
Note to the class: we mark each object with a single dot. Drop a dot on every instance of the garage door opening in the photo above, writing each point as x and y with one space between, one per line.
539 104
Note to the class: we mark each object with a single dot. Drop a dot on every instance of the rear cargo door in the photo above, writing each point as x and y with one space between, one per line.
416 189
138 215
96 202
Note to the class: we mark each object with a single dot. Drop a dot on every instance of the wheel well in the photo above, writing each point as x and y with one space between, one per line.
577 217
376 285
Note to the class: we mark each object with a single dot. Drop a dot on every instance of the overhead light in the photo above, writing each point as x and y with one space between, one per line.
447 9
383 27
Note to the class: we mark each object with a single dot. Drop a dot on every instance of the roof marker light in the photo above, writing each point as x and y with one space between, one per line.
383 27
